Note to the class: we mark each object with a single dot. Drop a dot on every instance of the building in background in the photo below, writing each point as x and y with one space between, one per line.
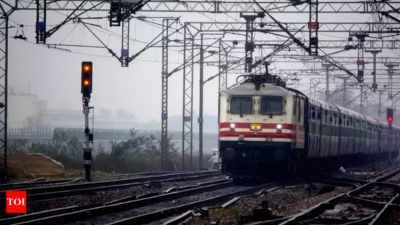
24 108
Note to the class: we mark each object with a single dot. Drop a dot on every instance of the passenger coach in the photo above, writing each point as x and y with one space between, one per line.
267 129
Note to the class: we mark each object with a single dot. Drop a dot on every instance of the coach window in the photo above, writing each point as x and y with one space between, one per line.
326 116
313 112
272 105
241 105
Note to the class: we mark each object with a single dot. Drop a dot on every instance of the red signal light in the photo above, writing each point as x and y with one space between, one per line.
390 119
86 79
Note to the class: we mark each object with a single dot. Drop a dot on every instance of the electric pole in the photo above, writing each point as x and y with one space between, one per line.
380 102
201 104
327 67
374 53
390 67
344 99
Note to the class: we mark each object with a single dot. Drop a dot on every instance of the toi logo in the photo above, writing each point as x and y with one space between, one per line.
16 202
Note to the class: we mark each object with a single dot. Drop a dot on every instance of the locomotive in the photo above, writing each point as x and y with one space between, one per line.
267 129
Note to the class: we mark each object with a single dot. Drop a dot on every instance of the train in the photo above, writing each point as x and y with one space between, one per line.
267 129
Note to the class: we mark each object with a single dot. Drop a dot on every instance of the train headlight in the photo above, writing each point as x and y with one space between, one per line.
279 128
232 127
255 127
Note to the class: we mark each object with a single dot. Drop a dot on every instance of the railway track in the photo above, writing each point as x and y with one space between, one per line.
371 203
79 213
92 190
261 212
157 207
67 190
41 182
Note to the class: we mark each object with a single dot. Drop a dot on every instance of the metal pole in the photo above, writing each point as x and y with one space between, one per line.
226 70
390 66
219 65
362 99
164 98
201 105
374 85
327 83
5 97
344 91
187 122
87 151
380 98
390 142
184 105
380 103
191 107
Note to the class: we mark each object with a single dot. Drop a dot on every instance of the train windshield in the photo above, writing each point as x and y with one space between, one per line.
241 105
272 105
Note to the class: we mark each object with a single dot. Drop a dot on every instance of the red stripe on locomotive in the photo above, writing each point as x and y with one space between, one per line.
264 125
247 125
252 135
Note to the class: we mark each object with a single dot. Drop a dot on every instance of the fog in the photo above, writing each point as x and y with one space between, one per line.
54 74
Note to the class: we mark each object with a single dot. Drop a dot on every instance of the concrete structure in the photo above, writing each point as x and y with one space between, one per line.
24 108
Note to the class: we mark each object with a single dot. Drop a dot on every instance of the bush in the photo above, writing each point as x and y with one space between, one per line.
138 154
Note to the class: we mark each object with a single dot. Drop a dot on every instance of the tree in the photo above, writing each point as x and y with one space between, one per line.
105 113
122 114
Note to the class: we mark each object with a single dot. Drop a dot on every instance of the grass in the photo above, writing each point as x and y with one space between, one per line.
23 167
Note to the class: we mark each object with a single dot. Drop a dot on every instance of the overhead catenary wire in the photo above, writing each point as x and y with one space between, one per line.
149 45
109 50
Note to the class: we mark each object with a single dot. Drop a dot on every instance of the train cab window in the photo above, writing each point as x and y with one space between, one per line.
272 105
241 105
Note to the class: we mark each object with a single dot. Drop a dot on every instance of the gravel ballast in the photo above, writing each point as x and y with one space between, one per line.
162 205
283 202
105 196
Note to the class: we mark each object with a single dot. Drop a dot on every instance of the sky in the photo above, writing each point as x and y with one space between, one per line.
55 76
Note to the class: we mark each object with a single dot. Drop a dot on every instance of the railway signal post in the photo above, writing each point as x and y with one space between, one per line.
86 90
389 116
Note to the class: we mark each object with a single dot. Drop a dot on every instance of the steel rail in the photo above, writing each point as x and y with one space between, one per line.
33 183
63 216
187 215
161 214
11 186
104 183
92 190
319 208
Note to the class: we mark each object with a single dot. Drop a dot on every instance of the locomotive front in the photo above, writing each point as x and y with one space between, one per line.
255 138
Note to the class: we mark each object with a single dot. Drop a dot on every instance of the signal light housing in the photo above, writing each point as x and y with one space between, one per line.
389 115
86 82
